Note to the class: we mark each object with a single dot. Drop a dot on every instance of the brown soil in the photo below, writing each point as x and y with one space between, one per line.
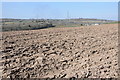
81 52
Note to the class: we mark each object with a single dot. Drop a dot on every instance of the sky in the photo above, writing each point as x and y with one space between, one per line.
60 10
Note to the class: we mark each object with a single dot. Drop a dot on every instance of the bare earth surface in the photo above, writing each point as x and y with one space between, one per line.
81 52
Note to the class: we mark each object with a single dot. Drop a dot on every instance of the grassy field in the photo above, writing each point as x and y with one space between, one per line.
113 22
32 24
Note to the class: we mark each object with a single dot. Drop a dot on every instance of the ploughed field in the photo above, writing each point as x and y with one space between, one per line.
80 52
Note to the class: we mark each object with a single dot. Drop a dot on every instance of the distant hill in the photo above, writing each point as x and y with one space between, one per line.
30 24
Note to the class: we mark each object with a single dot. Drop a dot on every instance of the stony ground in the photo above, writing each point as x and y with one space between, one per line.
81 52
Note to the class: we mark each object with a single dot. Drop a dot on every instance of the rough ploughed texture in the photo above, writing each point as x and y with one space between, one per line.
81 52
